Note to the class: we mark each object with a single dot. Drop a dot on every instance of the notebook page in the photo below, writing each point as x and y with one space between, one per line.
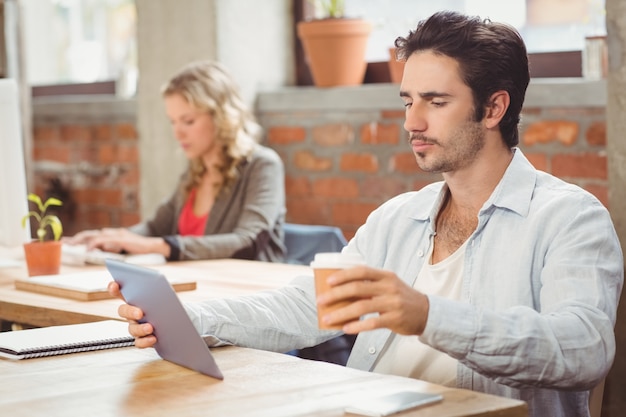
63 339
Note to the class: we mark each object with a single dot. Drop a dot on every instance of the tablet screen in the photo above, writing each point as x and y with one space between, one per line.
177 338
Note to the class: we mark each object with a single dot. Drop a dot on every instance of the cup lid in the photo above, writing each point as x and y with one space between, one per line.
337 260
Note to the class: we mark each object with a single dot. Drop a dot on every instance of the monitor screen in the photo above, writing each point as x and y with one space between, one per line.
14 203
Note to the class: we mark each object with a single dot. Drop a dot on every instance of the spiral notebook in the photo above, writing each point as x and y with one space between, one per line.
60 340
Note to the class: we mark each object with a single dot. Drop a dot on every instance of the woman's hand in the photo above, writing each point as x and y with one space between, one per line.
82 238
89 237
125 242
120 240
400 308
142 332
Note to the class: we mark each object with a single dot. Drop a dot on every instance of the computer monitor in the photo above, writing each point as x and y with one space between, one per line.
13 192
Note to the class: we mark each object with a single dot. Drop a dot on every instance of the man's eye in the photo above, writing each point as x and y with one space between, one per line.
438 103
407 105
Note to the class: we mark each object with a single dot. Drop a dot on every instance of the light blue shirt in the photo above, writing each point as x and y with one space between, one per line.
541 284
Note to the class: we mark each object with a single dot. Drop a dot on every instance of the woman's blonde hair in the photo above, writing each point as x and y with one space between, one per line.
207 86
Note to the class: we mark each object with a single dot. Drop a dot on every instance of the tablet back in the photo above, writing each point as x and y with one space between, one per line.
177 338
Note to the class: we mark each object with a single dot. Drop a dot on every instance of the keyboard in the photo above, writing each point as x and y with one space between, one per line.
79 255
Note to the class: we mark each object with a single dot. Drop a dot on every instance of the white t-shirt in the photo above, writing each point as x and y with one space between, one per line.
406 355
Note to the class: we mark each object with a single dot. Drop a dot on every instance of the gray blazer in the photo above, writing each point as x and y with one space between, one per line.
246 221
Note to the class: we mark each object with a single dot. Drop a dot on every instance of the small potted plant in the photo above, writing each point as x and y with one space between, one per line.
335 45
43 254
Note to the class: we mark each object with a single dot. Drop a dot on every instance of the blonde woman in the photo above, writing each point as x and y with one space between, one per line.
230 203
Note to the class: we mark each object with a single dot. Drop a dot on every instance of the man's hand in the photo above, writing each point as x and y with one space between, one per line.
142 332
400 308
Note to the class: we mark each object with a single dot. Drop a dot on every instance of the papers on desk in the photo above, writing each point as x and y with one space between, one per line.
11 257
83 286
59 340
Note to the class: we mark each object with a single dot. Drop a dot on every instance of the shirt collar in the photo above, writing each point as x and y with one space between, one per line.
515 189
513 192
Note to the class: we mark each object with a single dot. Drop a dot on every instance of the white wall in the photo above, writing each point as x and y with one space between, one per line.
254 41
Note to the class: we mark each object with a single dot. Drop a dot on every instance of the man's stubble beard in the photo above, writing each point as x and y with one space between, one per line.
460 149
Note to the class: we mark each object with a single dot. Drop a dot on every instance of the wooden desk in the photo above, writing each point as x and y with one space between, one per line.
133 382
217 278
130 382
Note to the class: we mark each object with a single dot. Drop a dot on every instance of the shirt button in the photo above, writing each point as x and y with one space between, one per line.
420 253
371 350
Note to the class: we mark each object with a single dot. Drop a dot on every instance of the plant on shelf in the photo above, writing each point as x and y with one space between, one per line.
43 255
334 45
331 8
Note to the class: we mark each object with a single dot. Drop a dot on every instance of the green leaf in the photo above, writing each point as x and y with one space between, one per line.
56 226
52 202
44 220
35 199
29 215
330 8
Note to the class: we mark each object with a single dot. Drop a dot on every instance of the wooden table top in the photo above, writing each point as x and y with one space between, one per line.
134 382
130 382
215 278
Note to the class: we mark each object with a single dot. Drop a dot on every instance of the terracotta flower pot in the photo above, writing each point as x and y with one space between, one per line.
43 258
396 68
335 50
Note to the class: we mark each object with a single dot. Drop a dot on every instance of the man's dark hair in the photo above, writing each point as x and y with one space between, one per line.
491 56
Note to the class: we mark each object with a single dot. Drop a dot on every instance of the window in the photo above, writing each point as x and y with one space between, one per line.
554 30
545 25
88 43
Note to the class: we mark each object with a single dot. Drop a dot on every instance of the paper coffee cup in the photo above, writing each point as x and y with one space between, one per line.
325 264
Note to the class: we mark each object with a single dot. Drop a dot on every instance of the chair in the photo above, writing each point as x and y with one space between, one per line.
303 242
595 400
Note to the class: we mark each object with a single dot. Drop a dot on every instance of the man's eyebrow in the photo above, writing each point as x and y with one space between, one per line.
425 95
434 94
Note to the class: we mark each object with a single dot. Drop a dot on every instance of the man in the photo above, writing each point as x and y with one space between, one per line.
501 279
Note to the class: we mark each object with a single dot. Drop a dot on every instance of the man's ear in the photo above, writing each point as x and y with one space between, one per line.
498 104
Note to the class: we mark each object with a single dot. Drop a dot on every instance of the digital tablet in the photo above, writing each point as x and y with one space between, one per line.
177 338
389 404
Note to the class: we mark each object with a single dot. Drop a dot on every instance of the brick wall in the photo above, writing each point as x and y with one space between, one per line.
339 165
570 144
338 172
91 163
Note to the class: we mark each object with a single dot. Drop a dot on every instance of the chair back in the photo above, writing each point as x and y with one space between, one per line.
303 241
